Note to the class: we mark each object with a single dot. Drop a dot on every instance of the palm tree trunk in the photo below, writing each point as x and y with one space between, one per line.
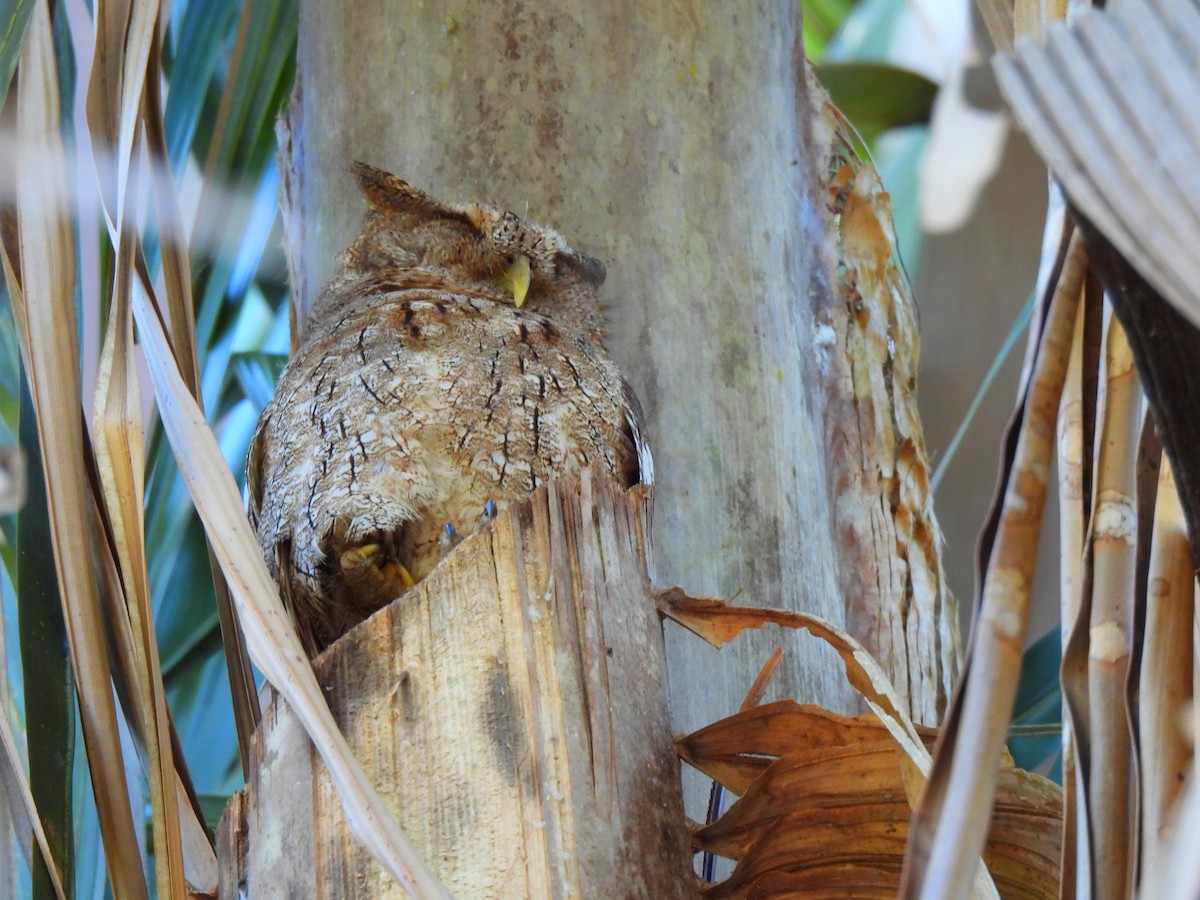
680 143
669 141
512 710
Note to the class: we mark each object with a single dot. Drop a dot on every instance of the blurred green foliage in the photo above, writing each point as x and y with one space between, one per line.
228 69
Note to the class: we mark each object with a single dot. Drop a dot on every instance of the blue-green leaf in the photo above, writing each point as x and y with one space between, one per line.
1036 735
14 20
49 685
875 96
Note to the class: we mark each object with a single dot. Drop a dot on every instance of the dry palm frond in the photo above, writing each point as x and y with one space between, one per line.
1166 676
1097 655
825 799
824 807
718 623
45 295
1104 101
1074 472
120 462
951 823
1110 103
118 439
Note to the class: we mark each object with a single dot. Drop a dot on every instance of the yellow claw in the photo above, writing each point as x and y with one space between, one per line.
395 571
361 556
515 279
362 571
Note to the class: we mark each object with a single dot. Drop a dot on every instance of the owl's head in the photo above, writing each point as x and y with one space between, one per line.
480 246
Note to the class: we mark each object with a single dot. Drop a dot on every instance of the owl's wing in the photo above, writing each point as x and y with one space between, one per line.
636 420
256 458
307 620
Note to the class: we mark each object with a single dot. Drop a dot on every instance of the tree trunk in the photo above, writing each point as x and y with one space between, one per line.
667 139
511 710
680 143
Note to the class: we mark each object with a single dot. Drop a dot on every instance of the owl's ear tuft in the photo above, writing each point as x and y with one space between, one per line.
387 193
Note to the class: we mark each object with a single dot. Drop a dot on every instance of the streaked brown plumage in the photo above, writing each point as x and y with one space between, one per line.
423 390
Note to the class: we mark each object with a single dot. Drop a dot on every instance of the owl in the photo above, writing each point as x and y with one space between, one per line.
453 364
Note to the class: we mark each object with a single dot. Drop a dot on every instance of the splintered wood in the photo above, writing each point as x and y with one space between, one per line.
512 710
898 604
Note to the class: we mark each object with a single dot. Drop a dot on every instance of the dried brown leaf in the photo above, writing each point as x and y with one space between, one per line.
718 622
47 268
738 749
1099 100
950 826
828 794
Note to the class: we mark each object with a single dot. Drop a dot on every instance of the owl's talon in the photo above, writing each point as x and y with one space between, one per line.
371 570
489 513
397 572
362 556
449 540
392 541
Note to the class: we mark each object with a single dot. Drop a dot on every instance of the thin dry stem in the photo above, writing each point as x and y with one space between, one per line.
957 804
47 272
1166 673
120 463
1071 542
1109 777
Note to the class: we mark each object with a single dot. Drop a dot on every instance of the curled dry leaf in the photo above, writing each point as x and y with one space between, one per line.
825 799
823 808
737 750
718 623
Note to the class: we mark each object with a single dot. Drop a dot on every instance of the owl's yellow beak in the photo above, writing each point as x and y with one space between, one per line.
515 279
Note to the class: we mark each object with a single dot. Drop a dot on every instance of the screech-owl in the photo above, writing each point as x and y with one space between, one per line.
457 358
